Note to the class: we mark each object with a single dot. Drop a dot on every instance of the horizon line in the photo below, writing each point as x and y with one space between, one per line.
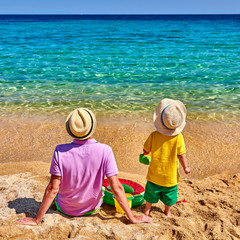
120 14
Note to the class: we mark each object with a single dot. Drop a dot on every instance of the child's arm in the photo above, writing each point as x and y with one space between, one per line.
183 160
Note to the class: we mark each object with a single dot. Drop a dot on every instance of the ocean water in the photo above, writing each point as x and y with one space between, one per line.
120 64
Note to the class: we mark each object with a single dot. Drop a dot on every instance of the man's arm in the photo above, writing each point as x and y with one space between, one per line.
49 195
119 194
183 161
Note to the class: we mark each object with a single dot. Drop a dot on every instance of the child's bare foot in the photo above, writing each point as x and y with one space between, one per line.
167 211
167 214
147 208
147 211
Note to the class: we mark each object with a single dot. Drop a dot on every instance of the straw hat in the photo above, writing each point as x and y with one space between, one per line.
169 117
81 123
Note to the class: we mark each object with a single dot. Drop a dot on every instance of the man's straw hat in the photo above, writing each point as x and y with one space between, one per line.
81 123
169 117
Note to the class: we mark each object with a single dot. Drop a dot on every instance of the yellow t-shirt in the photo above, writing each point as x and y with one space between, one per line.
163 169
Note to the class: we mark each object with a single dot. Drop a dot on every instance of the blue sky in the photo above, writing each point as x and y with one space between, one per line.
120 6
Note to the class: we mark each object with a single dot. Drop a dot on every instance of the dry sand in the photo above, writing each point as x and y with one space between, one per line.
212 191
212 210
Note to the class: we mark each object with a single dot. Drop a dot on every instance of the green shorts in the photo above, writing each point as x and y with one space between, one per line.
87 213
154 192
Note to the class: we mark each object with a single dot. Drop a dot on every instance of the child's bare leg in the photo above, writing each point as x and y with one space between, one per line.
167 210
147 208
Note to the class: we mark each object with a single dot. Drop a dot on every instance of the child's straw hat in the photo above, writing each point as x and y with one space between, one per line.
81 123
169 117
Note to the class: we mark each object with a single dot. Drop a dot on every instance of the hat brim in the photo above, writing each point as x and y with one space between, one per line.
157 117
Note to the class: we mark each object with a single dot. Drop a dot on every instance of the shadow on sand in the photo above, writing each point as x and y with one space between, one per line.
29 206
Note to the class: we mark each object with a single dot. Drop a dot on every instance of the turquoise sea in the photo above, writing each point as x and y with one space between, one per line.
120 63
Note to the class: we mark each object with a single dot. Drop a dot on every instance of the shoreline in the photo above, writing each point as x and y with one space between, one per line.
125 115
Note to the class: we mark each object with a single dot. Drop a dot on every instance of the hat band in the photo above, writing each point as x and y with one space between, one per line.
89 130
163 120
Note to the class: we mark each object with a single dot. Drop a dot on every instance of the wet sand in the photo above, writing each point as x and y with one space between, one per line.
211 147
212 190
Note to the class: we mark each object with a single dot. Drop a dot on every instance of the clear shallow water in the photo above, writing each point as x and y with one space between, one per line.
120 63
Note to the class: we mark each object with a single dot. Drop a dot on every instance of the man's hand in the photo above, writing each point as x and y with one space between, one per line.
49 195
120 196
27 221
142 219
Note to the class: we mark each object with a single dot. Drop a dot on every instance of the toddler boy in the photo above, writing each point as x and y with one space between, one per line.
167 150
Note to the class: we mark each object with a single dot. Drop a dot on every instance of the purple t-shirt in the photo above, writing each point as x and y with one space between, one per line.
82 166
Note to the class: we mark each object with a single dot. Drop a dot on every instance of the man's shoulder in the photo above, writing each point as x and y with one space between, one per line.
104 145
64 146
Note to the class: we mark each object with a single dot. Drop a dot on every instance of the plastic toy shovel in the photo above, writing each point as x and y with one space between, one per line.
145 159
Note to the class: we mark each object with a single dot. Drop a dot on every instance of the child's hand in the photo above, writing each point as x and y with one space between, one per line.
187 170
145 153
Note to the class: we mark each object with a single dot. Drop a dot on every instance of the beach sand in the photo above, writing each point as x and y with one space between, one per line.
212 190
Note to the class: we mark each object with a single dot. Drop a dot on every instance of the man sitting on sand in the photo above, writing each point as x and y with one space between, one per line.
77 173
